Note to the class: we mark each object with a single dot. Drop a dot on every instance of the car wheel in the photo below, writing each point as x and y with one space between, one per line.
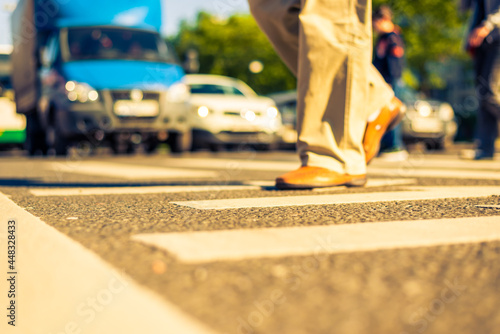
122 147
435 144
151 146
215 147
195 144
179 142
84 148
266 147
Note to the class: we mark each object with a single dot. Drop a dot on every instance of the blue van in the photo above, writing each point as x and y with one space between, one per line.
97 72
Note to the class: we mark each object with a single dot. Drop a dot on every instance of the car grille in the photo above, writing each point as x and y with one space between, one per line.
242 133
125 95
122 96
238 113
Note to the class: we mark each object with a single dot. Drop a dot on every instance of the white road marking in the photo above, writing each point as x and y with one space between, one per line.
63 287
234 165
135 190
429 161
126 171
373 183
202 247
417 163
415 193
261 183
418 167
437 173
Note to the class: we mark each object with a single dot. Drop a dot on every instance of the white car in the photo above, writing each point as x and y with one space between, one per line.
226 111
427 121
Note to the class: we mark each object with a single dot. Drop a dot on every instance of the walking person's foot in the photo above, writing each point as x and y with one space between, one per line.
475 155
308 177
388 117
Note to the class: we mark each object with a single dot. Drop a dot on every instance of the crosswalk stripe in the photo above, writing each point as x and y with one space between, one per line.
252 185
126 171
437 173
412 168
373 183
415 193
236 164
414 162
58 275
202 247
135 190
429 162
177 168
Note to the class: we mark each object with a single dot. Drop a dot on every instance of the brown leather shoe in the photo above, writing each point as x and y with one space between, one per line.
307 177
388 118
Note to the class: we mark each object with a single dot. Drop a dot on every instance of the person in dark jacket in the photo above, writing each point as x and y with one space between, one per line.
388 59
483 43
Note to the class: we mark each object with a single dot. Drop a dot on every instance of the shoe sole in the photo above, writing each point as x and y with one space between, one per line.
352 183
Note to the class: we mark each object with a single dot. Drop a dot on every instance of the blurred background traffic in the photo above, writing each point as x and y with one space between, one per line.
138 76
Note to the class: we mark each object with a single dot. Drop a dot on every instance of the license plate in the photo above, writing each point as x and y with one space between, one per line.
137 109
427 125
243 128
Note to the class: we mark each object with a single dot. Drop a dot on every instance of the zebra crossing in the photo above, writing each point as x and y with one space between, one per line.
202 247
192 186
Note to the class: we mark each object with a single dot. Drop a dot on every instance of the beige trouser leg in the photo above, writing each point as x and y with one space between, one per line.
327 44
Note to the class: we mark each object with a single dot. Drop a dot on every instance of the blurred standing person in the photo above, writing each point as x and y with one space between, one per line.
483 43
344 105
388 59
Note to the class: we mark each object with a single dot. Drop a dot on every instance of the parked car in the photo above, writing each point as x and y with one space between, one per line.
12 125
226 111
428 121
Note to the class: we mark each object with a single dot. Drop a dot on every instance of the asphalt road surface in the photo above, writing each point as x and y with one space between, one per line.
204 243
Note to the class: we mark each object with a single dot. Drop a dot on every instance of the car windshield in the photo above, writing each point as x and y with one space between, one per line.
215 89
117 43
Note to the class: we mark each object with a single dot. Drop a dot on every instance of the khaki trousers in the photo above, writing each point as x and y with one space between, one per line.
327 44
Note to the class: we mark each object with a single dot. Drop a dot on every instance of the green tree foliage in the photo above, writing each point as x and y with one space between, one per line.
227 47
434 31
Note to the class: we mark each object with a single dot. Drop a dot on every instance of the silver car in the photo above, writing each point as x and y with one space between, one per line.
227 112
431 122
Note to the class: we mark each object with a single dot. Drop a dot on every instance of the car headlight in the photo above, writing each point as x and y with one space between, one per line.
249 115
81 92
178 93
423 108
446 112
272 112
203 111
